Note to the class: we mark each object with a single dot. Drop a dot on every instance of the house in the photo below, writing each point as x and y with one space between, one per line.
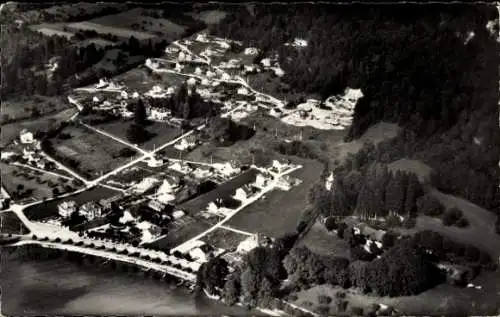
181 56
124 94
248 244
102 84
242 91
191 81
66 208
266 62
299 42
178 214
278 167
198 71
159 114
91 210
178 67
202 37
203 253
184 145
106 202
213 208
279 72
284 183
225 76
240 194
171 49
28 153
156 205
261 181
135 95
224 45
95 99
275 112
166 187
26 137
155 162
226 169
210 74
329 182
145 184
353 94
251 51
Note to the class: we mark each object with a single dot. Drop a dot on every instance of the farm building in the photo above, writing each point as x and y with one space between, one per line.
251 51
261 181
106 202
178 214
66 208
156 205
145 184
184 145
155 162
252 242
202 253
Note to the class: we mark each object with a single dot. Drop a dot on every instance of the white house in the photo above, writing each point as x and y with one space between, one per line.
224 45
248 244
202 37
353 94
135 95
278 166
279 72
261 181
198 71
91 210
240 194
184 145
166 187
226 169
212 208
26 137
66 208
210 74
242 91
155 162
178 67
145 184
102 84
225 76
299 42
156 205
95 99
171 49
178 214
182 56
284 183
251 51
266 62
275 112
124 94
191 81
202 253
156 114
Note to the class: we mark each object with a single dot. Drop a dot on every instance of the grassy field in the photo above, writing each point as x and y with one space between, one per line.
162 132
93 150
122 33
11 131
136 20
321 242
183 230
21 107
224 190
141 80
224 239
38 182
443 300
210 16
280 211
49 208
11 223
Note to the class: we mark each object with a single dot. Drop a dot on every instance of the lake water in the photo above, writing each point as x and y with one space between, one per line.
60 287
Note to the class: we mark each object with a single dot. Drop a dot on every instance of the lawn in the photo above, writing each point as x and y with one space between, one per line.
35 184
162 132
49 208
21 107
123 33
443 300
11 131
136 20
280 211
320 241
182 230
222 191
224 239
479 233
95 153
10 223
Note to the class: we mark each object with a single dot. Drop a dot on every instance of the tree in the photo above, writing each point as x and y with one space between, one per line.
451 216
395 193
140 115
232 289
429 205
413 191
330 223
266 292
137 133
250 283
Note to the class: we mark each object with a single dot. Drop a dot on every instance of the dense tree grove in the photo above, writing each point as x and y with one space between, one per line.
415 66
225 132
186 103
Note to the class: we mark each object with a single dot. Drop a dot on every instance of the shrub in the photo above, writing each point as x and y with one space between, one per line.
462 223
324 300
340 230
451 216
429 205
330 224
322 310
357 311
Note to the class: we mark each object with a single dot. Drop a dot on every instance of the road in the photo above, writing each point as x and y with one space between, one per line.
265 190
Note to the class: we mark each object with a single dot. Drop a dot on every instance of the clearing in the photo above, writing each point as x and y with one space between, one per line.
103 29
136 20
21 107
11 131
95 153
443 300
320 241
280 212
224 239
22 182
48 209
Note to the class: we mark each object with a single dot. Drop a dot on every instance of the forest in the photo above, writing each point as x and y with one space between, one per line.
417 68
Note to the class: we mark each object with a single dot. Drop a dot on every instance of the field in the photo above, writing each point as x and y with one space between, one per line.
210 16
35 182
321 242
93 151
162 132
51 32
49 208
280 211
21 107
224 239
11 131
183 230
102 29
10 223
136 20
443 300
420 169
224 190
140 79
480 232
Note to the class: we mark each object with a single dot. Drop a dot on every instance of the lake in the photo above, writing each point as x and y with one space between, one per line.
60 287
